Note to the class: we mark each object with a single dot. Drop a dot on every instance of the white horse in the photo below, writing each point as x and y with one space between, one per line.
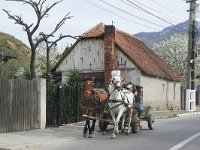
120 101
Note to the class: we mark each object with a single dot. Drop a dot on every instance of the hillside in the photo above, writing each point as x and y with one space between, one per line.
12 46
150 38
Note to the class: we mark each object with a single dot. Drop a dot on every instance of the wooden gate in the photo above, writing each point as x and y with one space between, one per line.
18 105
63 104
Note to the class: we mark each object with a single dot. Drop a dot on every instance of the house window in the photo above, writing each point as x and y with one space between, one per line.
98 53
163 87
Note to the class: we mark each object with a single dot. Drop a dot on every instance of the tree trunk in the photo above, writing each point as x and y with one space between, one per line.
32 65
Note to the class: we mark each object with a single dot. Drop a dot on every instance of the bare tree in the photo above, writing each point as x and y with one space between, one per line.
50 45
41 11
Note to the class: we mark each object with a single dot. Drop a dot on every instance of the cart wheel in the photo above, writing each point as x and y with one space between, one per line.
151 122
135 127
103 125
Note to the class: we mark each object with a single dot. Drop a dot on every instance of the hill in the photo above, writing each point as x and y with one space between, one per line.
14 47
150 38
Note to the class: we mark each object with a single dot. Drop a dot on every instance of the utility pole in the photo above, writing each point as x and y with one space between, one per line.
190 101
190 82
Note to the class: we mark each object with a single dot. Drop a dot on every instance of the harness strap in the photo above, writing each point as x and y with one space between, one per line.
116 105
114 101
123 97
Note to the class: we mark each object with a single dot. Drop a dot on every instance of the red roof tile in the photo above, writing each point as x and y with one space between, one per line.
96 31
141 55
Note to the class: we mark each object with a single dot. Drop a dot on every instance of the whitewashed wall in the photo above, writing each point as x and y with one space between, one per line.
160 90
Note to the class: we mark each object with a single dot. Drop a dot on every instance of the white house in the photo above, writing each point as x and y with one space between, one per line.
104 48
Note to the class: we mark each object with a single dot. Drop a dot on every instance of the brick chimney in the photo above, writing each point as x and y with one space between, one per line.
109 53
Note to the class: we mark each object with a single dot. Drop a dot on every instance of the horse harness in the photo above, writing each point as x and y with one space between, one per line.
120 101
91 100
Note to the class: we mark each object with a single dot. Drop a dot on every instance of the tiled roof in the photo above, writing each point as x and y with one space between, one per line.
96 31
141 55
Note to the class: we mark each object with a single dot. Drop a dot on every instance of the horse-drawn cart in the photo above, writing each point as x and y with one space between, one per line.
118 109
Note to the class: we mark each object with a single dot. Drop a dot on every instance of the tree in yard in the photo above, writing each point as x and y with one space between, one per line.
41 12
50 45
41 59
74 78
174 52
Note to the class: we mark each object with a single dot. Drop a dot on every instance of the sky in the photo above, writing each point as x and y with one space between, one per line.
131 16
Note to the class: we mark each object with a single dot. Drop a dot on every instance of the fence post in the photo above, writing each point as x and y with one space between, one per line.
41 83
58 100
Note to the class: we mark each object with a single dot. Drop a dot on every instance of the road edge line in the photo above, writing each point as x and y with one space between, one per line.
183 143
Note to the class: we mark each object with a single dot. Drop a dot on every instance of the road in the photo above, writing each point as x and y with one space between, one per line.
180 133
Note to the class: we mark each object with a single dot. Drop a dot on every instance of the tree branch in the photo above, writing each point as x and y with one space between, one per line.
48 8
18 20
59 24
54 43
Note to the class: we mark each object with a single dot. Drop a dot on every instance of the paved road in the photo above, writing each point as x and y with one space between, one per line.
181 133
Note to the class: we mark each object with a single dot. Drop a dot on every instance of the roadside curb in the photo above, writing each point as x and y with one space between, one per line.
171 114
188 114
23 147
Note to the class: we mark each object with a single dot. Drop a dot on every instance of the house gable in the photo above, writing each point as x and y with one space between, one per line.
86 55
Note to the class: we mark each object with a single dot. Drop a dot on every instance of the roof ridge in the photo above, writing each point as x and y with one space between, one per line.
123 32
100 26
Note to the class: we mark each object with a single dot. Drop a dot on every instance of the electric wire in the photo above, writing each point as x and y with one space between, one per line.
132 14
162 13
146 11
113 13
163 7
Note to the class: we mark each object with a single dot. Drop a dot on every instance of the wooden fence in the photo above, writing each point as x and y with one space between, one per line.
20 105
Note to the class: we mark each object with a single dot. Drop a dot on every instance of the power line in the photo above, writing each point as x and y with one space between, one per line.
162 13
113 13
162 6
140 8
131 14
146 11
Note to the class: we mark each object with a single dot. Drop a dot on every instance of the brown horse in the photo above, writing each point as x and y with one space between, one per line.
93 102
